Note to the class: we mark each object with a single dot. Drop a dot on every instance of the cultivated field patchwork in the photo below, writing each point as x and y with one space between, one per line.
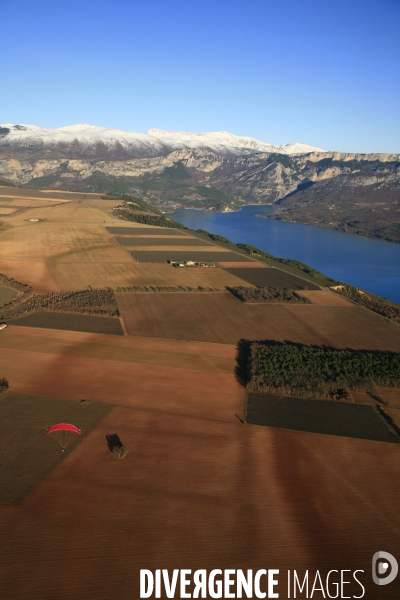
222 318
197 489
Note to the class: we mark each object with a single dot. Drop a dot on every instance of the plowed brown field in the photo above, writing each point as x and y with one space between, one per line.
324 297
34 274
195 379
222 318
236 265
77 276
61 242
196 489
200 493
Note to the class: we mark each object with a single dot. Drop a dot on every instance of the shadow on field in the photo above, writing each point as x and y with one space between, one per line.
242 358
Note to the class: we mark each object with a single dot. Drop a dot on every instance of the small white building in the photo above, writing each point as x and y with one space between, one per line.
3 326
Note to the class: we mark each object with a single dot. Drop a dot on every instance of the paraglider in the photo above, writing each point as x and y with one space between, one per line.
63 433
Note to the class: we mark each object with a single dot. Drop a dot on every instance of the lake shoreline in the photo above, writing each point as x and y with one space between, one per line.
368 263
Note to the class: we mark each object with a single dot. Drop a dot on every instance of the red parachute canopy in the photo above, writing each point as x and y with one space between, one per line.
63 427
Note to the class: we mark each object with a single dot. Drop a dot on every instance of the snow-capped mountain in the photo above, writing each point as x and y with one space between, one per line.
90 141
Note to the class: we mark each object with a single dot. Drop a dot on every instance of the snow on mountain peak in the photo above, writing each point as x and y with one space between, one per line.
152 143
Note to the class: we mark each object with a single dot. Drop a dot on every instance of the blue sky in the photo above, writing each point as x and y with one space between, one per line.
318 72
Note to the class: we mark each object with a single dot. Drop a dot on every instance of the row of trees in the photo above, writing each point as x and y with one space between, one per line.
93 301
9 282
267 295
168 288
313 372
383 307
253 251
156 220
215 237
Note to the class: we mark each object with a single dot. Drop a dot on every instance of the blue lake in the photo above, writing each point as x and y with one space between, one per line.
372 265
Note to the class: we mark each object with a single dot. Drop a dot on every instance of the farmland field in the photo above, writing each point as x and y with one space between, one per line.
34 274
77 276
6 295
271 277
206 255
145 230
153 241
332 418
27 455
71 322
222 318
52 195
196 489
247 265
6 210
189 490
157 375
324 298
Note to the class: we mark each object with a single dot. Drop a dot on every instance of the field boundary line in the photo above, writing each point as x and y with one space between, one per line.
123 325
120 361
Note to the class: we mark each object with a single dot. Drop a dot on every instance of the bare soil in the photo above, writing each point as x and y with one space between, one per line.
192 379
34 274
200 493
206 255
77 276
27 454
324 298
222 318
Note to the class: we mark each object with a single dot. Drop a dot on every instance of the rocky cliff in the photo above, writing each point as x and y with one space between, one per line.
307 187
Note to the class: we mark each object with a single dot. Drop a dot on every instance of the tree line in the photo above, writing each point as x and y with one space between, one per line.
167 288
383 307
314 372
93 301
156 220
267 295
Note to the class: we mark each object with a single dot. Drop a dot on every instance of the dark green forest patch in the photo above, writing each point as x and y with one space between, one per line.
290 369
262 295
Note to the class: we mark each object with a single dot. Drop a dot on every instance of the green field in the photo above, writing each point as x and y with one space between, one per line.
6 295
70 322
332 418
27 454
271 277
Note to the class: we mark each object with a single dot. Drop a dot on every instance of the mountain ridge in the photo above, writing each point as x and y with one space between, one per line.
91 141
346 191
